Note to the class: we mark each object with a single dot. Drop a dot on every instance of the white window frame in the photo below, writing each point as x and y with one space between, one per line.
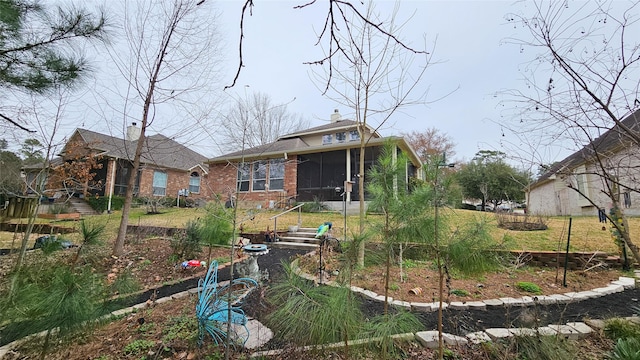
327 139
160 180
341 137
243 177
259 176
194 183
277 176
354 135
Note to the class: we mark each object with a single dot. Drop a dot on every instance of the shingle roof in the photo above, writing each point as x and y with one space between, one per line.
292 142
608 142
340 124
278 146
158 150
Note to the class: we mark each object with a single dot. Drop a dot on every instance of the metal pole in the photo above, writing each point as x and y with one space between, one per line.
344 206
566 256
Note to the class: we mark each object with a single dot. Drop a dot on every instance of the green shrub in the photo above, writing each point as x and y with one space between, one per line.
316 205
543 348
459 292
186 245
409 264
621 329
100 204
626 349
529 287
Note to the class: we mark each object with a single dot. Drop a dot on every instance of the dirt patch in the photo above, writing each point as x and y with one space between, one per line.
418 281
169 330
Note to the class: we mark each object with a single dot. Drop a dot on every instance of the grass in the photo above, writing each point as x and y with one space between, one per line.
586 232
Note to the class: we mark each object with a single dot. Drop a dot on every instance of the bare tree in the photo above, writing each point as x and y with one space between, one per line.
171 47
335 37
582 88
48 114
375 77
257 121
431 142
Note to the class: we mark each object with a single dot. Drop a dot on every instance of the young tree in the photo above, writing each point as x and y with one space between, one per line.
167 42
48 122
38 46
490 178
257 121
376 77
580 84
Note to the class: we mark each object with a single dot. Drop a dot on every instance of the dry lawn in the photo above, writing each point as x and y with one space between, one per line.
587 234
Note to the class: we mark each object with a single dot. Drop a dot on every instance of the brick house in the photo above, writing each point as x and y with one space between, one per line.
303 166
166 166
554 192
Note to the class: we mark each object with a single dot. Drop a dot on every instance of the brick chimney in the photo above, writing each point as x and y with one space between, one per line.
335 117
133 132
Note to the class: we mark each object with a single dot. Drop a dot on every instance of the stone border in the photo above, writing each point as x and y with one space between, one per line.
430 339
623 283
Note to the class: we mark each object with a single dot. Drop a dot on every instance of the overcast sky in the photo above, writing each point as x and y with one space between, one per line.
466 38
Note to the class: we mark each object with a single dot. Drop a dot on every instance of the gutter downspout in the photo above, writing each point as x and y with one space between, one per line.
112 183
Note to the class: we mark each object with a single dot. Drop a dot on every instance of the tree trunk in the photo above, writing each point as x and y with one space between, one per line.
27 233
360 256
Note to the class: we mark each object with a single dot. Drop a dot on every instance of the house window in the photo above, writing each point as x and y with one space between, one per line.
194 183
327 139
159 183
354 135
276 174
341 137
243 177
627 199
259 175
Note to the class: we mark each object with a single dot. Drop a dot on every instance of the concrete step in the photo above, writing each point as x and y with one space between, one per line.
292 245
302 234
299 239
81 206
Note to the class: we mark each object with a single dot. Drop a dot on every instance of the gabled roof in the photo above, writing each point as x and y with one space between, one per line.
608 143
294 143
157 150
335 125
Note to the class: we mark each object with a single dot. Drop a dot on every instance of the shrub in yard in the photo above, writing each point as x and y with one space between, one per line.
621 329
100 204
529 287
316 205
186 245
543 348
626 349
459 292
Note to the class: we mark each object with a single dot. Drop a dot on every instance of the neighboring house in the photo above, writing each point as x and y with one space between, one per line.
166 166
303 166
611 161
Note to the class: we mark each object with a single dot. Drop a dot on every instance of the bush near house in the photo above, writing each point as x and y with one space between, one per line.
100 204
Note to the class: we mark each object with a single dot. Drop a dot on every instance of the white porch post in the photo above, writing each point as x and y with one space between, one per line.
348 173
